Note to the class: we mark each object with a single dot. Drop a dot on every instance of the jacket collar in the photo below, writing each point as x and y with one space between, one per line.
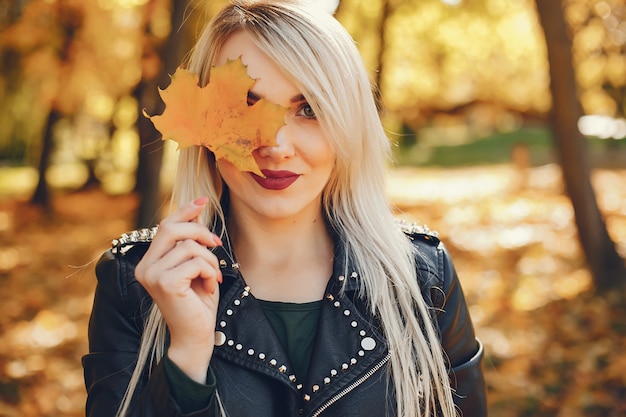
348 343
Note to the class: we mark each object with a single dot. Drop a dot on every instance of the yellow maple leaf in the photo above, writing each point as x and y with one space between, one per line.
218 116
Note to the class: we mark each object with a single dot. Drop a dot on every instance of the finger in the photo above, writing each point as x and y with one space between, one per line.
186 250
171 233
175 282
181 225
170 236
200 275
174 247
203 285
187 213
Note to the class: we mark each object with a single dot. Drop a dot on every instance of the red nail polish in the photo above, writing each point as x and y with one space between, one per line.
202 201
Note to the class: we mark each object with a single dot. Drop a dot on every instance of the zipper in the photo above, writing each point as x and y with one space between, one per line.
352 386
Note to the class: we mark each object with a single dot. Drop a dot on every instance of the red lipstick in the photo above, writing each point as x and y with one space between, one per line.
275 180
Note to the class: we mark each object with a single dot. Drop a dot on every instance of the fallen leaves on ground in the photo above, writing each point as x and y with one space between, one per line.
46 287
553 348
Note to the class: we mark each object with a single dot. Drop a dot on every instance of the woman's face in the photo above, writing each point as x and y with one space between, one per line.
299 167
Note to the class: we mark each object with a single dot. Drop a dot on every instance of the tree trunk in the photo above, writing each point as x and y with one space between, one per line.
41 196
151 148
382 30
148 182
69 20
606 266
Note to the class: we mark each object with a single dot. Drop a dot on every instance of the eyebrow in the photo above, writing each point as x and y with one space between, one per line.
295 99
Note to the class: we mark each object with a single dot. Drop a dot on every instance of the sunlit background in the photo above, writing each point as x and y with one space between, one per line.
466 89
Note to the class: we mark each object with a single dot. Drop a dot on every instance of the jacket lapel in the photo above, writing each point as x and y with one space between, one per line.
243 333
348 342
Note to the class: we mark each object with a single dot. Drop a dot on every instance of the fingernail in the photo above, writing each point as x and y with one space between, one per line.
219 278
202 201
217 240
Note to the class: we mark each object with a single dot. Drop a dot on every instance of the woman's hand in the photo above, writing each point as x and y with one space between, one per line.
181 274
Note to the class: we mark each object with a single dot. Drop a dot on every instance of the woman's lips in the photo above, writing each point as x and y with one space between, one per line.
275 180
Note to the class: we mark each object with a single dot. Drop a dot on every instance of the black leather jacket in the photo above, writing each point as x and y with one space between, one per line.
347 376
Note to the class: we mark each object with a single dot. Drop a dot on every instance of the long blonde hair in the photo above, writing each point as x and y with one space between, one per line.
312 48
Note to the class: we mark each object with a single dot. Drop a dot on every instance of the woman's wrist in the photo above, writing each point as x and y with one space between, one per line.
192 360
189 395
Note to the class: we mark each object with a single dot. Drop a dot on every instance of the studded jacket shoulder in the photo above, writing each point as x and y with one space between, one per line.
254 377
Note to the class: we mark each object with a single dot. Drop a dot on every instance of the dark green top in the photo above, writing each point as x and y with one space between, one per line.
295 325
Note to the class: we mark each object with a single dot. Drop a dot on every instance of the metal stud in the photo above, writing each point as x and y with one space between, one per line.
238 346
330 297
299 386
333 372
250 352
316 388
273 362
262 356
354 324
341 278
235 266
327 380
229 312
344 367
336 303
292 378
220 338
222 323
237 302
282 369
354 275
346 312
222 263
307 397
361 353
231 342
362 333
352 361
368 343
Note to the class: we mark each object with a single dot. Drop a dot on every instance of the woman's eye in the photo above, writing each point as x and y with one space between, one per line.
306 111
252 98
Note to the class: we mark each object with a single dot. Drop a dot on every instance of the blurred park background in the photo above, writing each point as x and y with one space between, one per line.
508 124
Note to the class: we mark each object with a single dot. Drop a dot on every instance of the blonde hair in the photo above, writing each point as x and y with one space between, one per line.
312 48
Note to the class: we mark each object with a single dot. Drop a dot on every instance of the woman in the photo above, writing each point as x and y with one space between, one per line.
289 294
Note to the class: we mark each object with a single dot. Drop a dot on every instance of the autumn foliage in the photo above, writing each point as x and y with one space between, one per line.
217 115
553 348
449 71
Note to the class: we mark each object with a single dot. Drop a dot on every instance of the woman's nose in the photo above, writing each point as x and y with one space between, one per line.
284 148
